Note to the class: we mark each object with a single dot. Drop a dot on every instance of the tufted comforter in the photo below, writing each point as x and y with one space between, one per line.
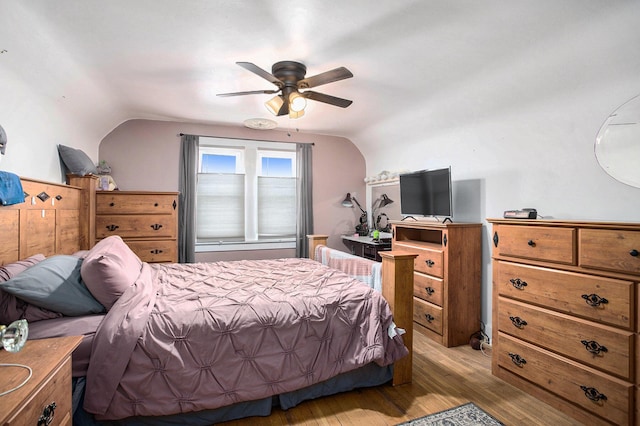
189 337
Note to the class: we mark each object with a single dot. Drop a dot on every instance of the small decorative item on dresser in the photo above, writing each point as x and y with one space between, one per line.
15 335
521 214
103 168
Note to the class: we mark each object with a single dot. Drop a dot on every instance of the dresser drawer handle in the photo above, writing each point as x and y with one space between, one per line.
47 415
593 394
518 322
429 262
156 251
429 317
594 300
531 243
156 226
112 204
112 227
429 290
518 283
634 253
517 359
594 347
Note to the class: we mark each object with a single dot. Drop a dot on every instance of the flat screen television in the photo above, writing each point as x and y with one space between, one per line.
426 193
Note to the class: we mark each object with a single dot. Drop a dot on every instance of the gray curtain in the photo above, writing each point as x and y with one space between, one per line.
305 200
187 209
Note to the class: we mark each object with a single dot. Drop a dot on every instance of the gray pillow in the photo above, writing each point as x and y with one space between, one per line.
76 161
55 284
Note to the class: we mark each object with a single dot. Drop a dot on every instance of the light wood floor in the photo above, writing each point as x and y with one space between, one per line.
442 378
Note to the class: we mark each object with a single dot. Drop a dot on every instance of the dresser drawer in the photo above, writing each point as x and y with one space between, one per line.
56 390
128 203
606 348
596 298
428 315
136 226
536 242
609 249
428 288
572 381
429 260
153 251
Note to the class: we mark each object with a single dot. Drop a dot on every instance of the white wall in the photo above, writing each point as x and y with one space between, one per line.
44 99
521 132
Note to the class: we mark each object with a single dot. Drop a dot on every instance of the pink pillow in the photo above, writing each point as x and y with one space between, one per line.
109 269
13 308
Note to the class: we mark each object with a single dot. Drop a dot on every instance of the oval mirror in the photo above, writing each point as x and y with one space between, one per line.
617 145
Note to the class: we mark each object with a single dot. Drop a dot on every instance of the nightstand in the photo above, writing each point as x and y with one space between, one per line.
46 398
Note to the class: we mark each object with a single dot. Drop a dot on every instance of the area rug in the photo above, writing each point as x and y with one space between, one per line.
465 415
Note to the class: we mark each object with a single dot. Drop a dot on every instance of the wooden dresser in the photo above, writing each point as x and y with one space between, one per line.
146 220
45 399
447 277
565 320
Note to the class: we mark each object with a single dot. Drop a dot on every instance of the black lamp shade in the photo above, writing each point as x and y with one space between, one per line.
347 201
385 200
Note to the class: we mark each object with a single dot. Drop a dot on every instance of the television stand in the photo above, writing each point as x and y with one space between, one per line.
447 219
447 277
407 217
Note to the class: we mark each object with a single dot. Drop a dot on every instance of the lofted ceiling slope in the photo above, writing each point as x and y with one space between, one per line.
167 59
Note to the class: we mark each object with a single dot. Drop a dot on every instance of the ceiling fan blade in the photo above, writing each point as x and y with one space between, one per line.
262 73
324 78
327 99
251 92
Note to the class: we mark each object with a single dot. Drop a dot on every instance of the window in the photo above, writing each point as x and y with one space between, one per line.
246 194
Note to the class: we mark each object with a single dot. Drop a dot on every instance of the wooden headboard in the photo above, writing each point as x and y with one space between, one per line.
48 222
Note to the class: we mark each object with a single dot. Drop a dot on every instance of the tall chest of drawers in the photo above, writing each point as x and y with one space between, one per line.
565 321
146 221
446 278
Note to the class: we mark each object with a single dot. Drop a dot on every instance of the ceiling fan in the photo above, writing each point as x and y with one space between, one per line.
289 78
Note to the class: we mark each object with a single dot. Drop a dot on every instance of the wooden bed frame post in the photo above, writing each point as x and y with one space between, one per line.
88 183
315 241
397 289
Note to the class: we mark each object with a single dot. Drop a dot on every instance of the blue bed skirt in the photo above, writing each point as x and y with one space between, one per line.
367 376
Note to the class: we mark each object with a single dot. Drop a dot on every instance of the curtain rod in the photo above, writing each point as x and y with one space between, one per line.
209 136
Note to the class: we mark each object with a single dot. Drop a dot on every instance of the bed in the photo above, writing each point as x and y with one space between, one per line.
283 330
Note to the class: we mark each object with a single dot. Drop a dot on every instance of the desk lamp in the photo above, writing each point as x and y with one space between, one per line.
363 228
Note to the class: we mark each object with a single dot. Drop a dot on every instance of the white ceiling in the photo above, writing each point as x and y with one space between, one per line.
167 59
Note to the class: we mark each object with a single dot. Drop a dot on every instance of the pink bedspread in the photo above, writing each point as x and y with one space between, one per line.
188 337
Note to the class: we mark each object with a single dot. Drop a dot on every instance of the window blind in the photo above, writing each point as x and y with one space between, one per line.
220 207
276 207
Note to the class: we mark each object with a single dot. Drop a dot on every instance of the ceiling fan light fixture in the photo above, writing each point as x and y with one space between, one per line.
274 104
289 77
295 114
297 102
